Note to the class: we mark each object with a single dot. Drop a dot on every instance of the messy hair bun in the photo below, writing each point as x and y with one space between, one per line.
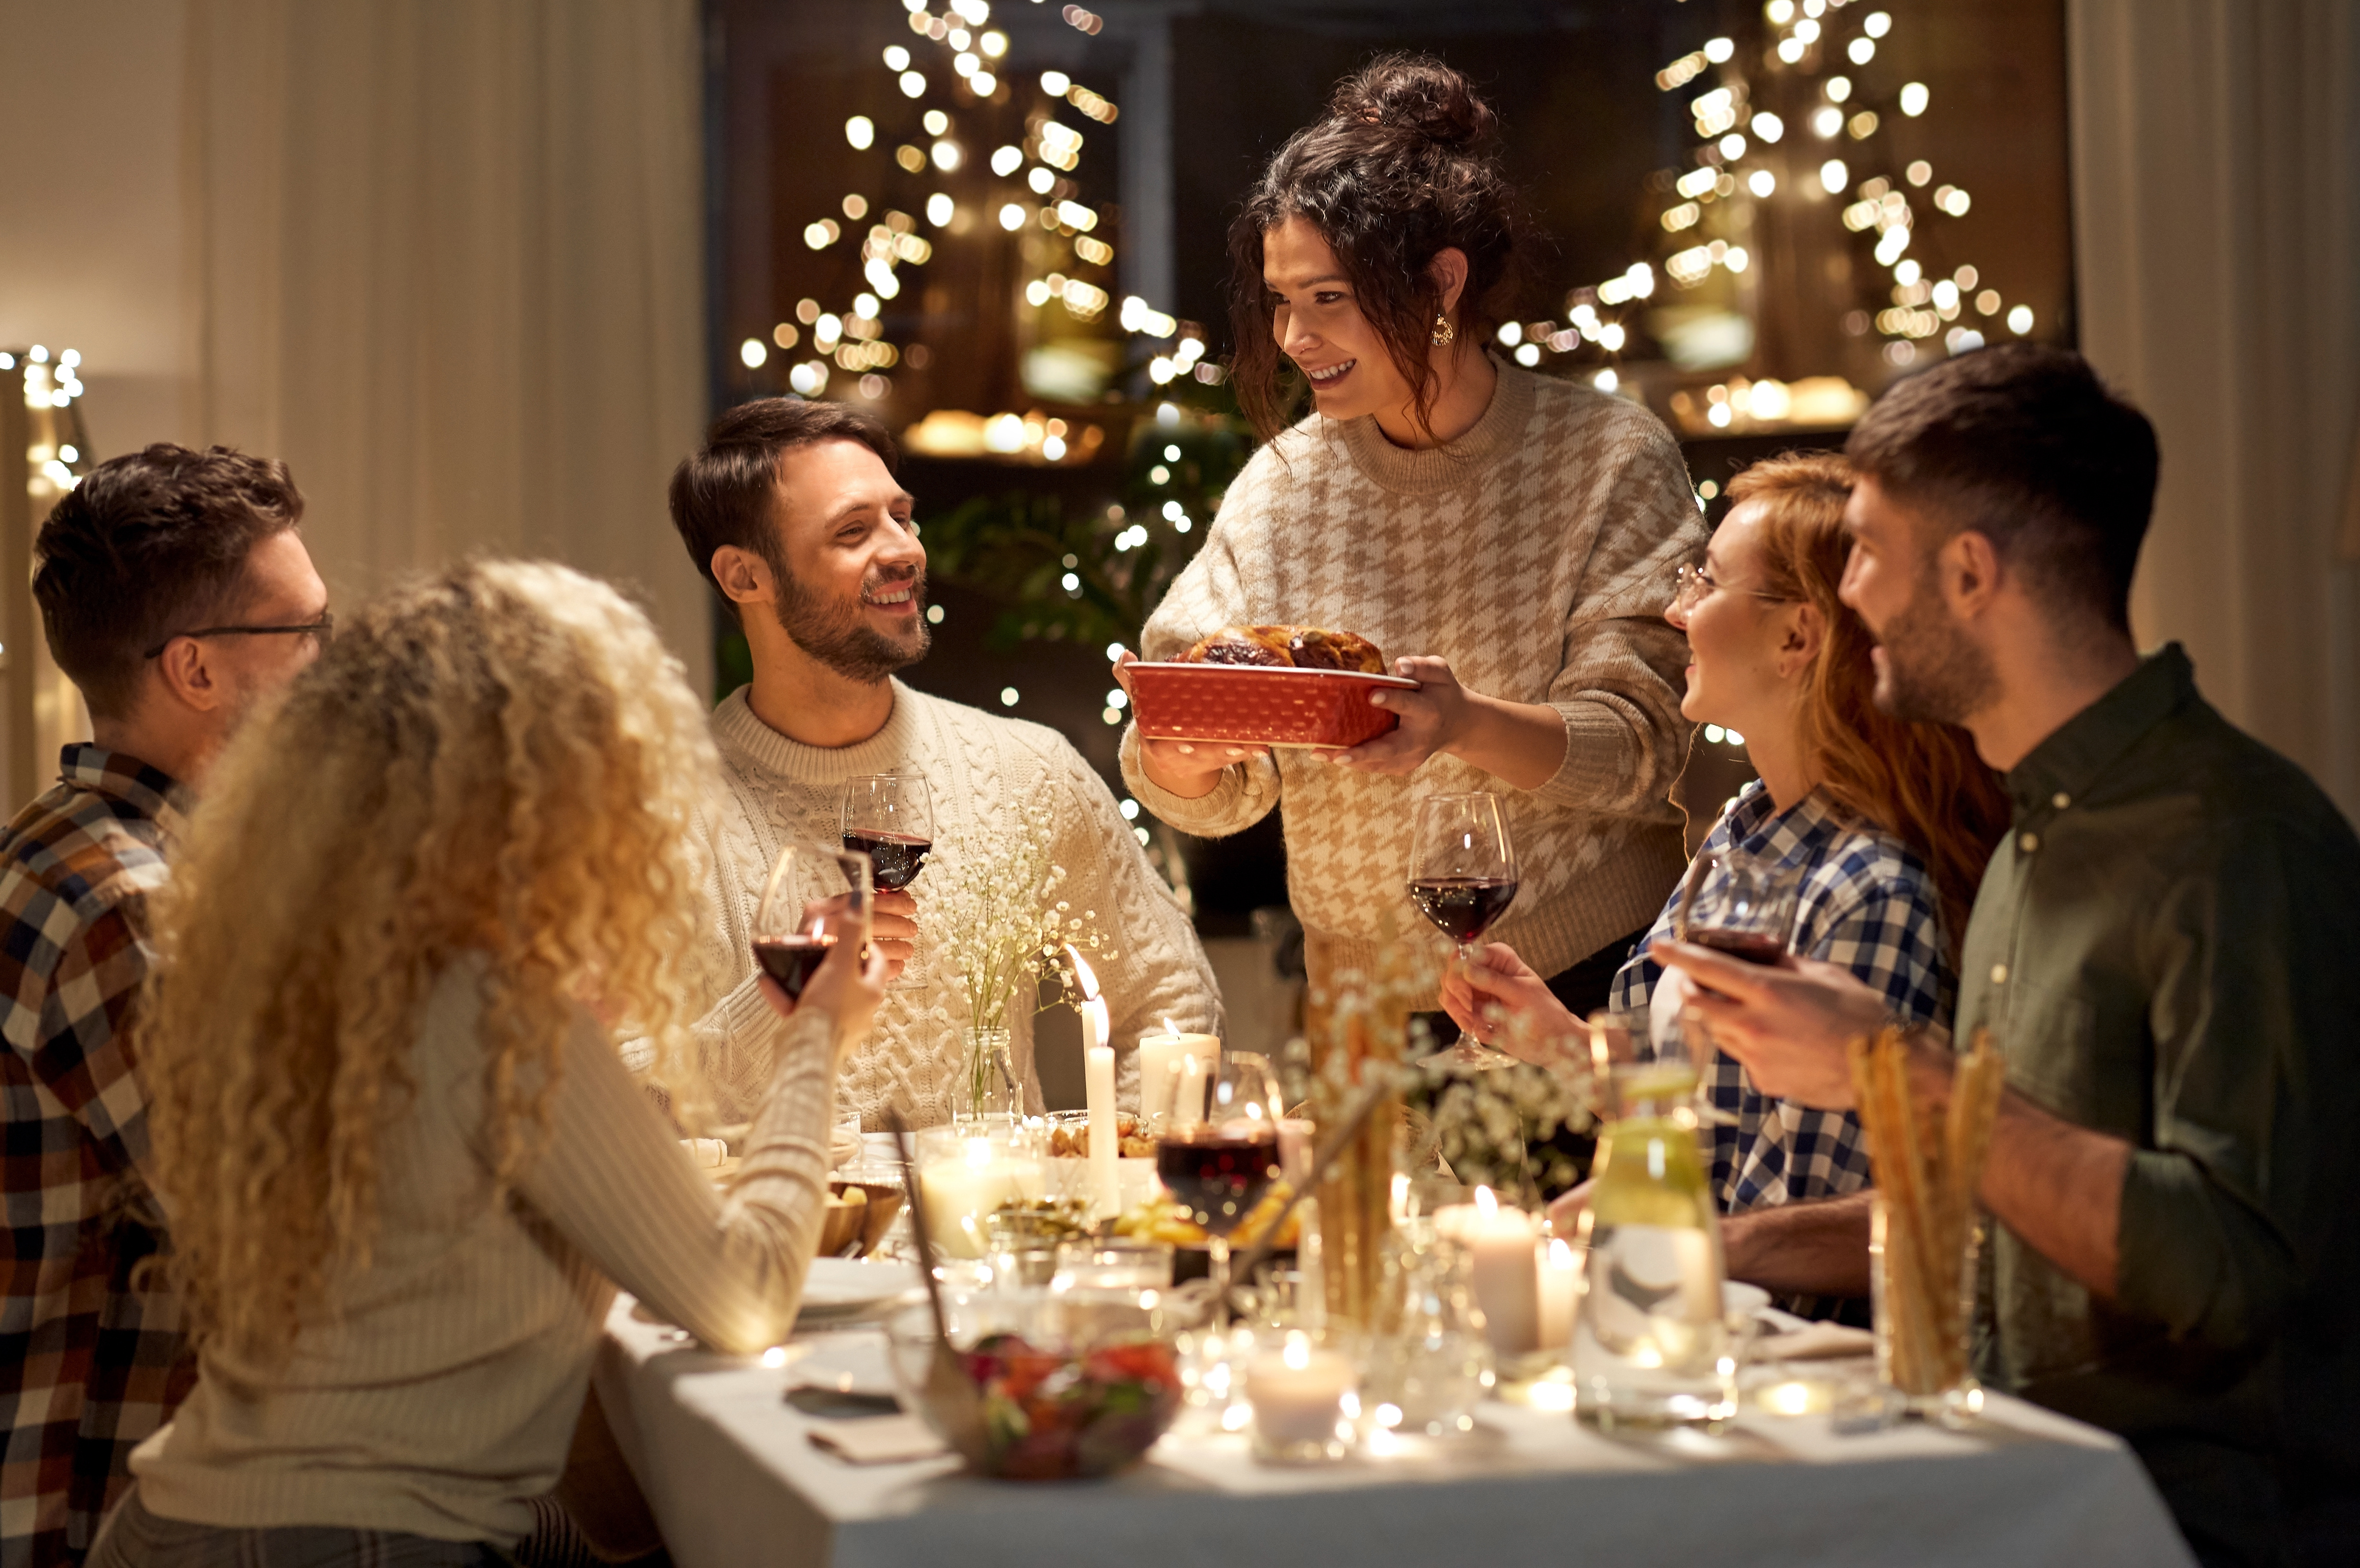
1402 169
1416 95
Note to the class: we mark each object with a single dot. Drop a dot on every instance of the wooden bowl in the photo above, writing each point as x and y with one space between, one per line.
876 1204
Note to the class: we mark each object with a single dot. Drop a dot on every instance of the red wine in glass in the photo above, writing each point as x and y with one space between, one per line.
1462 908
793 959
1754 947
1220 1175
890 819
897 857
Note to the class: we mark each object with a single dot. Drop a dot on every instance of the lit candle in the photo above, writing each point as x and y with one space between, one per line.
980 1179
1503 1264
1159 1065
1560 1283
1304 1401
1097 1090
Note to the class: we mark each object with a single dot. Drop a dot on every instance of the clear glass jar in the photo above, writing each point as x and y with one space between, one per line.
986 1088
1431 1365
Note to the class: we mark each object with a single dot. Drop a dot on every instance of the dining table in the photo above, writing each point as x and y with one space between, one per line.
735 1480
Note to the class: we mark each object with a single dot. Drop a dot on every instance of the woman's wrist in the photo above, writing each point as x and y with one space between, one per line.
1522 744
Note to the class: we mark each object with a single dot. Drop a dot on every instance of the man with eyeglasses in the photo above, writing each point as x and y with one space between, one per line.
175 593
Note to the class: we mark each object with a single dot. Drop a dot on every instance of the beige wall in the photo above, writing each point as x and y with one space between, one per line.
2216 173
444 259
92 231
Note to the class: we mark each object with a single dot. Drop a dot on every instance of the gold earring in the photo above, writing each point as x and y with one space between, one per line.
1444 333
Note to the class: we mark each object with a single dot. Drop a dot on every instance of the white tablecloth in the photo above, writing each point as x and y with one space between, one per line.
735 1482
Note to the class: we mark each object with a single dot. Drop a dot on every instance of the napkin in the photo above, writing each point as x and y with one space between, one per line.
878 1440
708 1152
1814 1342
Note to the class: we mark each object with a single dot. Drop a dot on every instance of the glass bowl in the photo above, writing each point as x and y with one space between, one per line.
1069 1390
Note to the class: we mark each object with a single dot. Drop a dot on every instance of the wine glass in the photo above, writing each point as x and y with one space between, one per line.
890 820
1462 877
1639 1070
1217 1151
1739 905
816 896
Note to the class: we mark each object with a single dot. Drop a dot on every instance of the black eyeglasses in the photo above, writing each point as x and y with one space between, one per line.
320 631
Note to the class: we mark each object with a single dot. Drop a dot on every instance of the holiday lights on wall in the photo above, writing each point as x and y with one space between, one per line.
1035 199
1818 62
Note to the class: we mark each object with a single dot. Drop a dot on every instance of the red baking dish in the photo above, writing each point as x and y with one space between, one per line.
1263 704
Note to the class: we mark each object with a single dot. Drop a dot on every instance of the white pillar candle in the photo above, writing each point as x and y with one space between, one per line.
1159 1059
1098 1093
1560 1270
1299 1394
982 1179
1504 1265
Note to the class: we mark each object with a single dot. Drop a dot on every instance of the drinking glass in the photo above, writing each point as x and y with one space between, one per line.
890 820
1739 905
1462 877
1638 1073
1218 1151
816 896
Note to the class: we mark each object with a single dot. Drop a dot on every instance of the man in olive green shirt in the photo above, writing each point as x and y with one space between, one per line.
2166 947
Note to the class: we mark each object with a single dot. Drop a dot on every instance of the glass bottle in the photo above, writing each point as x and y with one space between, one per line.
1651 1345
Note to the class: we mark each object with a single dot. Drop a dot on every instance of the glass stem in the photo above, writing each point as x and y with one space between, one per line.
1217 1247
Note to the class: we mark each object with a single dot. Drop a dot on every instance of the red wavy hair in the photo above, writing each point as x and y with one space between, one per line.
1922 783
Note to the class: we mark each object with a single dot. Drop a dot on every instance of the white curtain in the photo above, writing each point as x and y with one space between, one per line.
2216 175
447 261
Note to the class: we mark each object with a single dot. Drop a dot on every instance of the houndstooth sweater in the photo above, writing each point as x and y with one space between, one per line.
980 770
1537 555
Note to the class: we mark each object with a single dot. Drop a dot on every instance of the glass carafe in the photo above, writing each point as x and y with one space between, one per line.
1651 1347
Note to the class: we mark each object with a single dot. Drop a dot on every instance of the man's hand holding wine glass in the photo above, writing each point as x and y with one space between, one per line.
1493 987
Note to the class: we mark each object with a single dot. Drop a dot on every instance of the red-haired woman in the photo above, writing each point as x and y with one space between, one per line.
1511 535
1885 825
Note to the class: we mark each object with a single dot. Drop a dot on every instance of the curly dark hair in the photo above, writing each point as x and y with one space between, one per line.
147 545
1401 169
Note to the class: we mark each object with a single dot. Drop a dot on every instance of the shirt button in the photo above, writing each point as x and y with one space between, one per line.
2061 800
2028 842
1999 974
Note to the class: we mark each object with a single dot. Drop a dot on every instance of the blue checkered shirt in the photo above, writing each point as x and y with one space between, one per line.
1865 902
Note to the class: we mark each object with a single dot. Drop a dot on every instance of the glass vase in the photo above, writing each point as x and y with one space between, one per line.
988 1090
1430 1366
1924 1336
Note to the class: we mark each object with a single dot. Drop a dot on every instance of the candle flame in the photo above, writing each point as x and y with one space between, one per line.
1297 1354
1083 976
1560 1254
1485 1204
1170 1028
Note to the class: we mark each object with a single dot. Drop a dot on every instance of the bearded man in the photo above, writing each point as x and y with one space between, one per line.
2162 947
793 511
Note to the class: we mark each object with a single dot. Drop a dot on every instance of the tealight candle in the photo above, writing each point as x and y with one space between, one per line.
1503 1266
1305 1400
1160 1056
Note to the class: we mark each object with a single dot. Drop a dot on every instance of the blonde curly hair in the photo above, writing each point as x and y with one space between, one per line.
500 760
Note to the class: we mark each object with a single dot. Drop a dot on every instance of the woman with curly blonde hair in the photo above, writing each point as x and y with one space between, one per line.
1883 825
406 1167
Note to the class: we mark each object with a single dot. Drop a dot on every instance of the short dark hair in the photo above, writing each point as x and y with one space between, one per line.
2027 447
1404 167
721 492
147 546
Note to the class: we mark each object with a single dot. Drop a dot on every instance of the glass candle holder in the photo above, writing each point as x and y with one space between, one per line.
1305 1399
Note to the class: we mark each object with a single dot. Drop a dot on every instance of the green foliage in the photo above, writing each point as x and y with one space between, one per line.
1018 548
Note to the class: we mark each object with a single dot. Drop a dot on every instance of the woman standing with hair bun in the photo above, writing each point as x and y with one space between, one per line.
1516 537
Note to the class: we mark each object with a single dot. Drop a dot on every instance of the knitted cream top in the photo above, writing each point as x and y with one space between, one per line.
1537 553
982 771
435 1391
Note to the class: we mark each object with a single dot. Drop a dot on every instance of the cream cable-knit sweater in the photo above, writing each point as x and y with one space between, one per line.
980 769
1538 556
436 1392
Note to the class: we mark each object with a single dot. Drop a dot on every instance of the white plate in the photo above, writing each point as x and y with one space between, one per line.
842 1288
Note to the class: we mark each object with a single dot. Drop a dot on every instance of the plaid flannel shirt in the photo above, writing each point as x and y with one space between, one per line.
92 1360
1865 902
